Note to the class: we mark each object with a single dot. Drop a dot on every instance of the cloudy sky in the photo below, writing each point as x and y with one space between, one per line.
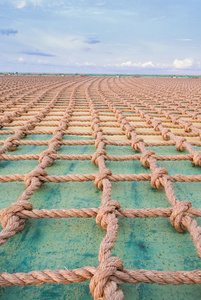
101 36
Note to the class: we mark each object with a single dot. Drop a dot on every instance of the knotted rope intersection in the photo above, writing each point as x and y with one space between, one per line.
118 100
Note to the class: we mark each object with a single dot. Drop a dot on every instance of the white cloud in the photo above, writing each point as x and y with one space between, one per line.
158 18
126 64
20 4
23 3
88 64
185 40
21 59
147 64
97 12
183 64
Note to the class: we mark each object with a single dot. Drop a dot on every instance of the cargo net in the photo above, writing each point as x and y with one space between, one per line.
131 109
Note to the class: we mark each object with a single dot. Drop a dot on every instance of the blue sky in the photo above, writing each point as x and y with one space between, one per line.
101 36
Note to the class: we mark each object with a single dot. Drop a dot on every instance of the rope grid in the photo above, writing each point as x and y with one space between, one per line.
166 108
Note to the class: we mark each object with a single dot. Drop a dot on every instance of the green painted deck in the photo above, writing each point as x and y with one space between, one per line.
150 243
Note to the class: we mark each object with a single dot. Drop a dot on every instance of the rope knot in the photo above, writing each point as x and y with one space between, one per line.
49 154
21 133
179 211
107 208
30 126
96 132
167 114
187 127
145 158
165 134
175 119
148 119
180 144
157 177
55 142
100 177
99 140
136 144
35 173
101 284
128 130
58 134
156 125
12 140
95 125
8 119
96 155
12 211
197 159
194 116
123 122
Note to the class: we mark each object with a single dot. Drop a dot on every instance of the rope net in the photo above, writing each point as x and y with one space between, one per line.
118 111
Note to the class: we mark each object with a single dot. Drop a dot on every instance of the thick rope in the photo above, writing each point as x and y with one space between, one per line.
110 107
